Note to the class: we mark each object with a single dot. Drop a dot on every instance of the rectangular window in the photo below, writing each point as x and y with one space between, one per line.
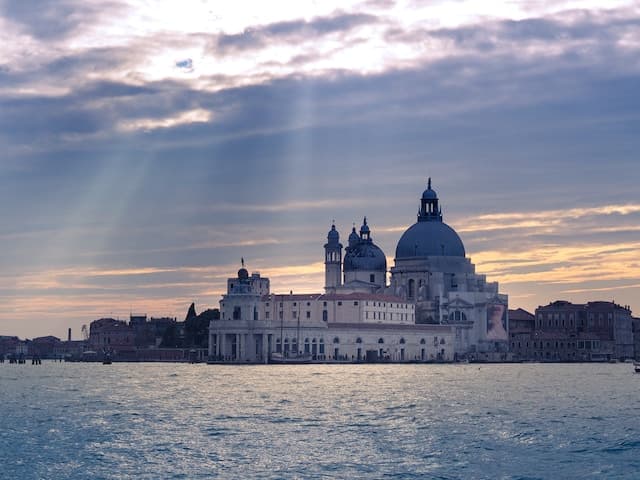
266 315
295 314
308 314
355 304
325 315
280 314
339 304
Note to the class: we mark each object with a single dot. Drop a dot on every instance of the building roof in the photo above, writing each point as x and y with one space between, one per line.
414 327
521 314
363 254
376 297
300 297
429 239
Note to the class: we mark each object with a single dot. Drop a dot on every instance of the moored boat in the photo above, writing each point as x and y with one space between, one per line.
291 359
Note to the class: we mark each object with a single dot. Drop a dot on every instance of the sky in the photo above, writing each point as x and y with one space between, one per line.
146 146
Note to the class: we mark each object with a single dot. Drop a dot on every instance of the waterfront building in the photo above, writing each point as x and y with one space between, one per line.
435 308
112 336
354 326
635 321
521 329
565 331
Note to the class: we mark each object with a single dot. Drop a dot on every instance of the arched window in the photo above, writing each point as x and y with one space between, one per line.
381 340
336 340
402 341
412 288
358 340
422 341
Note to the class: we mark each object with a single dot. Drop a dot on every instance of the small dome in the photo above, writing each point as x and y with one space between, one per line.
365 256
333 236
429 194
243 274
425 239
354 238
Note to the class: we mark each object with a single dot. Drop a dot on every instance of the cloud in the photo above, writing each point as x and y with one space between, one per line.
290 31
125 176
50 21
183 118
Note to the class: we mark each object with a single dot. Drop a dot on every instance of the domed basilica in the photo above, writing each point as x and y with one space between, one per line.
431 271
435 307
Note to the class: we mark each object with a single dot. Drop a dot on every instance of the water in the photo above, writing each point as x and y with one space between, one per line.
151 421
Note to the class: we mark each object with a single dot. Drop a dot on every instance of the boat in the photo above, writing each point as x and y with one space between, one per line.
106 360
636 366
292 359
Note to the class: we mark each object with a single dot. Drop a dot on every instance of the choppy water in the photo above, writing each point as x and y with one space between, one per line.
154 421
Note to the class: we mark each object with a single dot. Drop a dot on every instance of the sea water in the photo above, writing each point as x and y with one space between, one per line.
156 421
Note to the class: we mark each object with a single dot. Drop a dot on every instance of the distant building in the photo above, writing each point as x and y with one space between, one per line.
328 327
47 347
568 332
9 345
521 329
636 337
435 307
112 336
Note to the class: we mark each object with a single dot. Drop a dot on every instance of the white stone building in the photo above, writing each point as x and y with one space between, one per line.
435 308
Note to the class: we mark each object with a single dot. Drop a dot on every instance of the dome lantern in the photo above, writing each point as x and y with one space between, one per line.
429 210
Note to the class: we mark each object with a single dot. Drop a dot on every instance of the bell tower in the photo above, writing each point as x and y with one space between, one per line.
332 261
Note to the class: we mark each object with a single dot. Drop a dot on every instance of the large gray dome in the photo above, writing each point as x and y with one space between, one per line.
430 236
424 239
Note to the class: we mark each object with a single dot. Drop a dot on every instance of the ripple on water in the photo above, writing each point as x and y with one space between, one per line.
404 421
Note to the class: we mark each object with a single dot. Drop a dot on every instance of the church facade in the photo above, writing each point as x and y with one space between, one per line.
434 308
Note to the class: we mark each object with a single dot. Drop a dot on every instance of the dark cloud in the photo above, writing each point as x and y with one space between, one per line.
49 20
510 33
290 31
186 64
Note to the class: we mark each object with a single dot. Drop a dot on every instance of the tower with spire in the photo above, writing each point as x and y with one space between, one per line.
332 261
